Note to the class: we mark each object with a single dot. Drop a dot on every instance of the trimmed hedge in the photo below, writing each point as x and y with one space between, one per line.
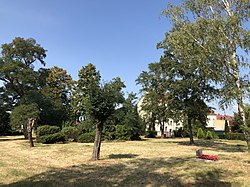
235 136
71 133
87 137
51 138
47 129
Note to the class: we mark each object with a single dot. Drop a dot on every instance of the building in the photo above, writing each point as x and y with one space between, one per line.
214 121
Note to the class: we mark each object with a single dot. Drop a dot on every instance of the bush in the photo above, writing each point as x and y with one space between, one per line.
200 133
46 130
71 133
178 133
122 133
51 138
221 136
235 136
150 134
87 137
209 135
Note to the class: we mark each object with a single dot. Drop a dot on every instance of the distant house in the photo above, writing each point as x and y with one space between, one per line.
169 126
214 121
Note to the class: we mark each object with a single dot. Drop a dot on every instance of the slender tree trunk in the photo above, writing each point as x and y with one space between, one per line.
240 99
190 131
162 129
29 130
97 144
25 132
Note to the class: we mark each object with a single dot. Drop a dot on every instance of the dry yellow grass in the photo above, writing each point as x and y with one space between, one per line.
151 162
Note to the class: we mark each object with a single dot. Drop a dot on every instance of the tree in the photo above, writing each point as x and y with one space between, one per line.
177 90
4 112
56 92
21 115
98 102
17 65
155 87
218 33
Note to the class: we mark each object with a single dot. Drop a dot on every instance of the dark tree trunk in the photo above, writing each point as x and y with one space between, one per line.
25 132
97 144
29 130
190 131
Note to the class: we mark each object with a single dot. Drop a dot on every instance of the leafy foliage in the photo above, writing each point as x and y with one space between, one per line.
209 135
211 41
235 136
96 101
200 134
87 137
20 115
46 130
150 134
51 138
71 133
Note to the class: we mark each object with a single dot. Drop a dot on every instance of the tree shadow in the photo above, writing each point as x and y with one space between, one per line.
211 178
214 145
135 172
118 156
3 139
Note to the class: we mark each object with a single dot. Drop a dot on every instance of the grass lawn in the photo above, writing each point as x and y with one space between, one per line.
150 162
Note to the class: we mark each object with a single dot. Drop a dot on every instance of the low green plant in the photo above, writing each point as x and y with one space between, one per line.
209 135
71 133
150 134
51 138
200 134
47 129
235 136
87 137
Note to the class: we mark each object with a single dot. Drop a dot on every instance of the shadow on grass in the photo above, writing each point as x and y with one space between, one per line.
118 156
137 172
3 139
214 145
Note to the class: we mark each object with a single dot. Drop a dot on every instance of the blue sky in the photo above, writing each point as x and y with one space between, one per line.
119 37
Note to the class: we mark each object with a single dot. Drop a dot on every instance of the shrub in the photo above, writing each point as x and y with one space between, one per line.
87 137
235 136
221 136
122 133
178 133
209 135
47 129
200 133
150 134
71 133
51 138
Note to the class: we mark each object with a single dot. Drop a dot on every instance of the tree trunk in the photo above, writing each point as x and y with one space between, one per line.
97 144
239 98
30 126
162 129
25 132
190 131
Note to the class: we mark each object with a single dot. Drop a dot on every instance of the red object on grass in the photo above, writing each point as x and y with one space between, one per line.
208 157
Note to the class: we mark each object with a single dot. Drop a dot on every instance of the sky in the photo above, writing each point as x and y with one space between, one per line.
118 36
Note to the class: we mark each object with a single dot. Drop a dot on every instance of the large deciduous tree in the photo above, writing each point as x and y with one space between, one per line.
17 65
217 31
96 101
155 87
